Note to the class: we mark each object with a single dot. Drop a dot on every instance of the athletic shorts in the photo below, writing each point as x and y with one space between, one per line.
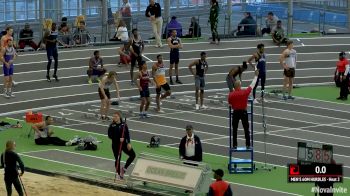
199 82
165 86
96 72
174 57
51 53
230 82
108 94
7 71
144 92
290 73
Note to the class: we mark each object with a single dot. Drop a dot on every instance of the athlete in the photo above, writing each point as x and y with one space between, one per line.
50 39
288 61
137 47
233 73
174 44
105 96
8 55
158 74
259 57
143 80
199 75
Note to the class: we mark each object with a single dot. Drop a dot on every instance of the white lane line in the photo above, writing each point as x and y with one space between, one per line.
302 44
148 58
77 124
298 39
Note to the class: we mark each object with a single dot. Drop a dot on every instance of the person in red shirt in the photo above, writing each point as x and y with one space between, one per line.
238 100
343 75
219 187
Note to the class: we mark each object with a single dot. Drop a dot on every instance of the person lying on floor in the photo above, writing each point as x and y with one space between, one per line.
43 134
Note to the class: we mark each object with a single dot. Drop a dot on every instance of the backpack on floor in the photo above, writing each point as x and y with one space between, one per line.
154 143
87 143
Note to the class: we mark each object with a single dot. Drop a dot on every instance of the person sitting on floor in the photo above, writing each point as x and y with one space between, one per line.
194 30
121 33
64 35
26 38
248 24
94 69
125 54
278 36
173 25
271 22
43 134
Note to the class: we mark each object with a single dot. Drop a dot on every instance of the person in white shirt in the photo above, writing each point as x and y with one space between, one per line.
288 61
190 146
122 32
126 14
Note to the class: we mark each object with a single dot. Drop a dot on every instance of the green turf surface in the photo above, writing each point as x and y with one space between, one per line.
276 180
325 93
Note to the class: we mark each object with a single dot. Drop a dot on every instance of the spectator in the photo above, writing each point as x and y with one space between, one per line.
126 14
26 37
214 21
9 160
343 75
81 35
278 36
194 30
43 134
249 25
271 22
64 35
173 25
125 54
154 13
7 36
219 187
190 146
94 70
64 21
122 32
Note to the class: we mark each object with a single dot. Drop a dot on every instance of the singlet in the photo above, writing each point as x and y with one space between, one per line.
107 84
291 58
144 79
10 52
43 133
175 41
95 62
261 63
200 68
136 45
4 40
52 36
160 74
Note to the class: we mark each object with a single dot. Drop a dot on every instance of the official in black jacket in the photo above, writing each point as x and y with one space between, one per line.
9 160
115 133
190 146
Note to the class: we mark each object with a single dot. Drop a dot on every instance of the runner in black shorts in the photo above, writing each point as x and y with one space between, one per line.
201 70
143 84
137 47
158 73
174 44
105 96
231 76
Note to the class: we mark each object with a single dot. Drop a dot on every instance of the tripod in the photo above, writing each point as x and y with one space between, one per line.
264 167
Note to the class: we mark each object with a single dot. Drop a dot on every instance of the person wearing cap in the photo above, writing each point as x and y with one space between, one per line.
173 25
219 187
288 60
26 38
201 68
238 100
233 73
190 146
342 74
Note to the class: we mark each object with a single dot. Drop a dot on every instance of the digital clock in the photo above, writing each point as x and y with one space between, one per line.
316 172
314 153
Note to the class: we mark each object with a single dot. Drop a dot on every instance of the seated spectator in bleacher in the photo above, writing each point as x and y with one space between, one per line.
26 38
64 35
64 21
278 35
271 22
173 25
125 54
248 24
94 69
81 35
194 30
121 33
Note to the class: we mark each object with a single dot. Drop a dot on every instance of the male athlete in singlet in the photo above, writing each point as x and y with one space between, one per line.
8 55
288 60
143 81
175 45
158 73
